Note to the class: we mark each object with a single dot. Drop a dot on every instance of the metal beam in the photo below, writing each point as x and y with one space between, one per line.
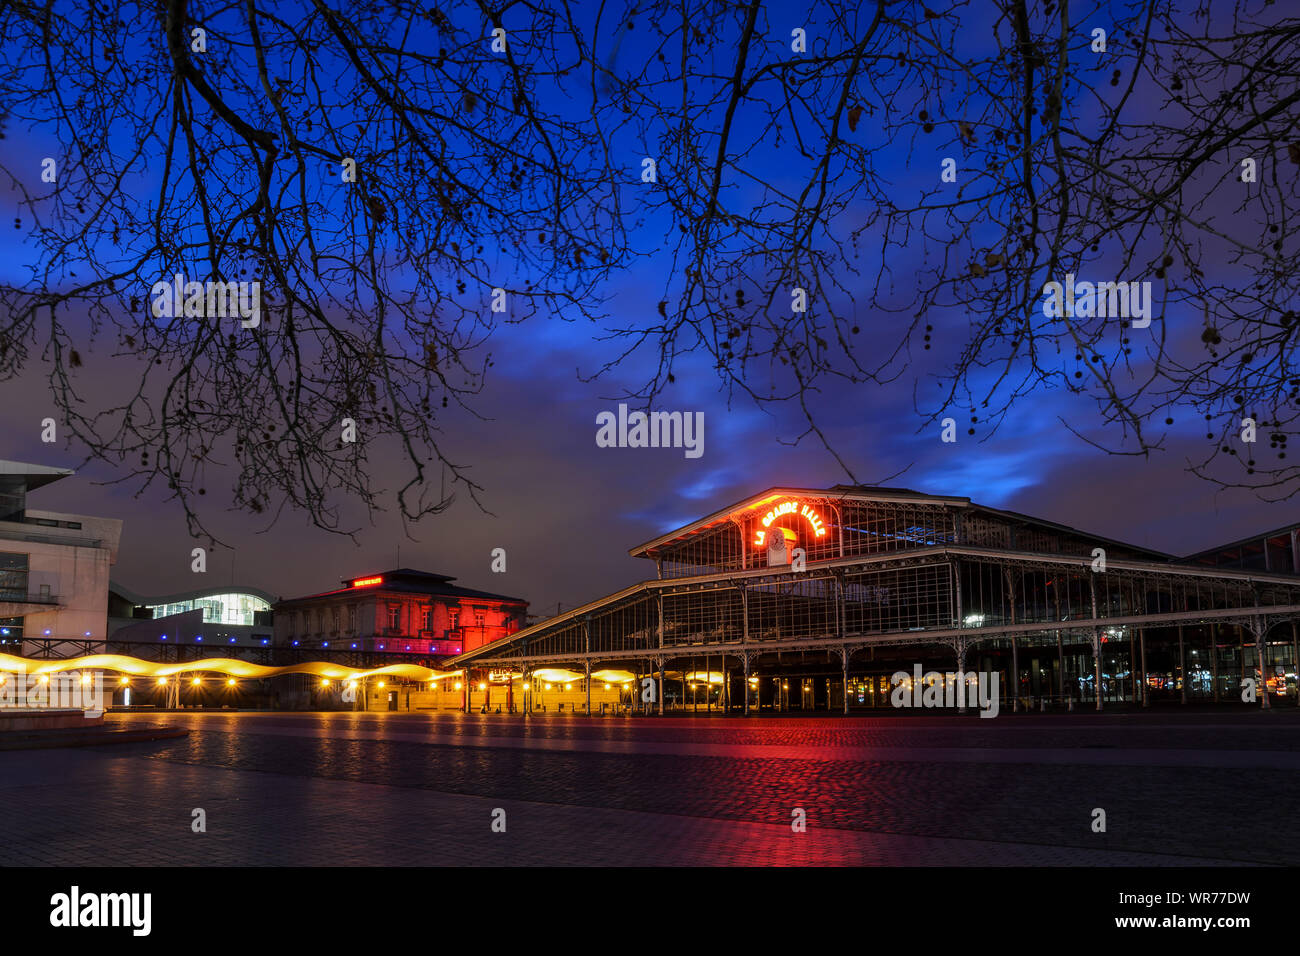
910 638
926 556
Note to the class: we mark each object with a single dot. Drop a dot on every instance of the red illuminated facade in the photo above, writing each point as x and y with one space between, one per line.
401 612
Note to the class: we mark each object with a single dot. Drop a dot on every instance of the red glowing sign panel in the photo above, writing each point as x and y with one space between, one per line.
790 507
366 582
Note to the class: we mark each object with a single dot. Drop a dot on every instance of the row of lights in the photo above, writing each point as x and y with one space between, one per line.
325 682
199 638
45 679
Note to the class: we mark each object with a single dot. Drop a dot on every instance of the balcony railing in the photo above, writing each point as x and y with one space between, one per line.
24 597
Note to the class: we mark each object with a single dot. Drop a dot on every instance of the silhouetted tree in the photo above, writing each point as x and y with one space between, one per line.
389 172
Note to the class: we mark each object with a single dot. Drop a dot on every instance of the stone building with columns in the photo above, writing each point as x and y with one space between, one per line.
402 611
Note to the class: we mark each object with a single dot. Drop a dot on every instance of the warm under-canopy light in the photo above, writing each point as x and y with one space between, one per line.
704 677
613 676
559 675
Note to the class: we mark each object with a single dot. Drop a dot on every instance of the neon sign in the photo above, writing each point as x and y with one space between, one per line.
808 512
363 582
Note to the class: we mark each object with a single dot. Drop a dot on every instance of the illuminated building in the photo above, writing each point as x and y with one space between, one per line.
808 599
225 617
399 612
54 569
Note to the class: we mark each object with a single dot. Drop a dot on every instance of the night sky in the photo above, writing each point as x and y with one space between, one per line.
567 511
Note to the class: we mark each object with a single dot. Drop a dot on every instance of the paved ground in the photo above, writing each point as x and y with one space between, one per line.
408 789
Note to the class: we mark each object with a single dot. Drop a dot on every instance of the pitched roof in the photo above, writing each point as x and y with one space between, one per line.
871 493
771 494
407 581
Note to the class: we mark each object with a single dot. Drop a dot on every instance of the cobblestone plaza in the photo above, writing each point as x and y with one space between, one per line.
292 789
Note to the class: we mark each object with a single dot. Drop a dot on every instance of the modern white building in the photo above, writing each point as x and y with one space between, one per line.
226 616
54 570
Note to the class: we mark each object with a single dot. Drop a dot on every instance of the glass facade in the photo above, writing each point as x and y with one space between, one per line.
231 608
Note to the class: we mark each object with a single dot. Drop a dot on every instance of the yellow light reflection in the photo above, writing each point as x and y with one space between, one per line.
134 666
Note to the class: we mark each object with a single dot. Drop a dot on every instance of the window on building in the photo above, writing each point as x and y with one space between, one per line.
480 619
13 498
394 616
13 577
52 523
455 619
352 618
334 616
426 614
227 608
